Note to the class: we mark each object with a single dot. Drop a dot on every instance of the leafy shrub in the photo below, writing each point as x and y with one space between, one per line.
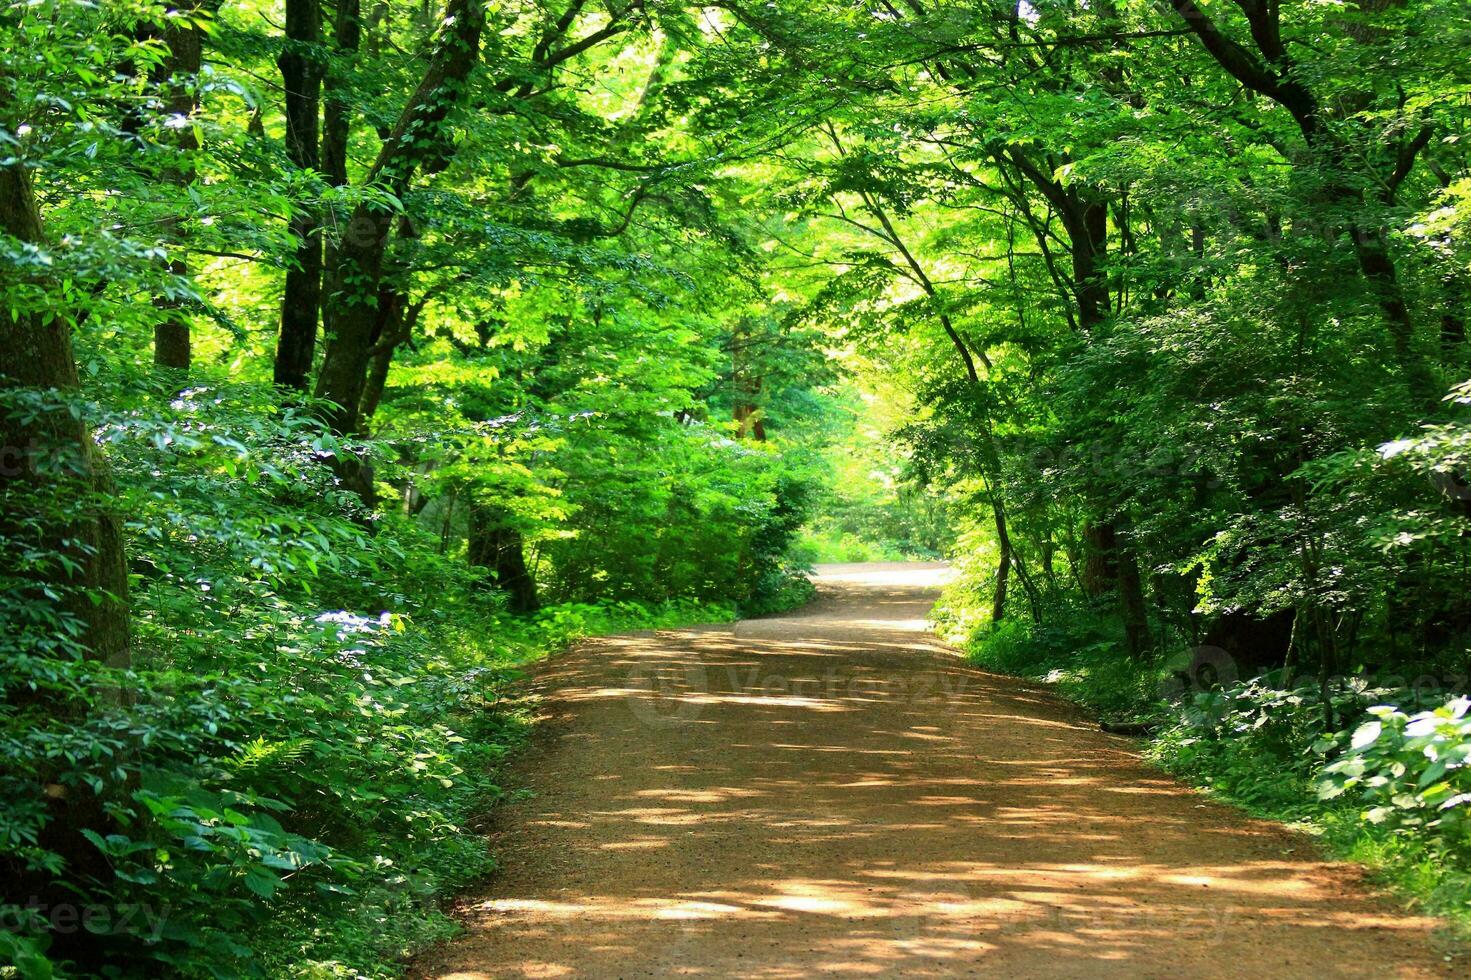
826 546
1410 771
1074 648
282 782
1252 742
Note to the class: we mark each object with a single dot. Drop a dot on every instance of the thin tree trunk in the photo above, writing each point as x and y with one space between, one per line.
1371 246
358 259
347 35
991 455
301 74
1003 567
397 318
1453 317
178 75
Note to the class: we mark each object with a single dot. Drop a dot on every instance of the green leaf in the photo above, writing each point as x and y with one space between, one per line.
1366 734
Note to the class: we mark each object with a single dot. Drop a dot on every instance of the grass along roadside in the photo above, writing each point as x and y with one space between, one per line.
434 849
1368 788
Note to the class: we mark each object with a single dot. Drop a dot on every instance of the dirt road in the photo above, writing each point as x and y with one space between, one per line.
834 793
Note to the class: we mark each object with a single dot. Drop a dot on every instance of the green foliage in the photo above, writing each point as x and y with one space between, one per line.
314 714
1257 743
1075 648
1411 770
634 309
826 546
873 503
1383 785
1373 789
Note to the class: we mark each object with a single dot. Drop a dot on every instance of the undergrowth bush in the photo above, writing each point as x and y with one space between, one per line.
1075 648
1410 771
1256 742
1379 773
282 781
824 545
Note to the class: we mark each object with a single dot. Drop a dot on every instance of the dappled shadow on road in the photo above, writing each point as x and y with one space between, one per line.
835 793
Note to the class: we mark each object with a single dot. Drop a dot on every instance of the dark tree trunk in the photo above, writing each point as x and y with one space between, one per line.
1110 564
352 317
356 264
36 353
178 75
301 74
1371 246
1099 572
347 34
1087 227
54 504
1132 608
1268 70
496 545
1003 567
1109 561
396 320
1048 560
1453 317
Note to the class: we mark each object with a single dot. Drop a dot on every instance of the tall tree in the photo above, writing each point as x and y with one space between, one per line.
51 466
301 65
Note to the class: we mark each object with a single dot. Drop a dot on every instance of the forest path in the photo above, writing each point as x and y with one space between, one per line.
834 792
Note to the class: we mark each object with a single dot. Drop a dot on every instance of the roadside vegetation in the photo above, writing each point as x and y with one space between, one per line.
1374 772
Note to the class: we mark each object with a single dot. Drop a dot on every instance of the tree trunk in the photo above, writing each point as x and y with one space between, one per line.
301 74
1099 572
1137 639
347 34
54 504
1371 246
178 75
495 545
396 320
1268 70
352 317
356 264
749 423
1003 566
1109 563
1048 558
1087 227
1456 300
336 132
36 354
